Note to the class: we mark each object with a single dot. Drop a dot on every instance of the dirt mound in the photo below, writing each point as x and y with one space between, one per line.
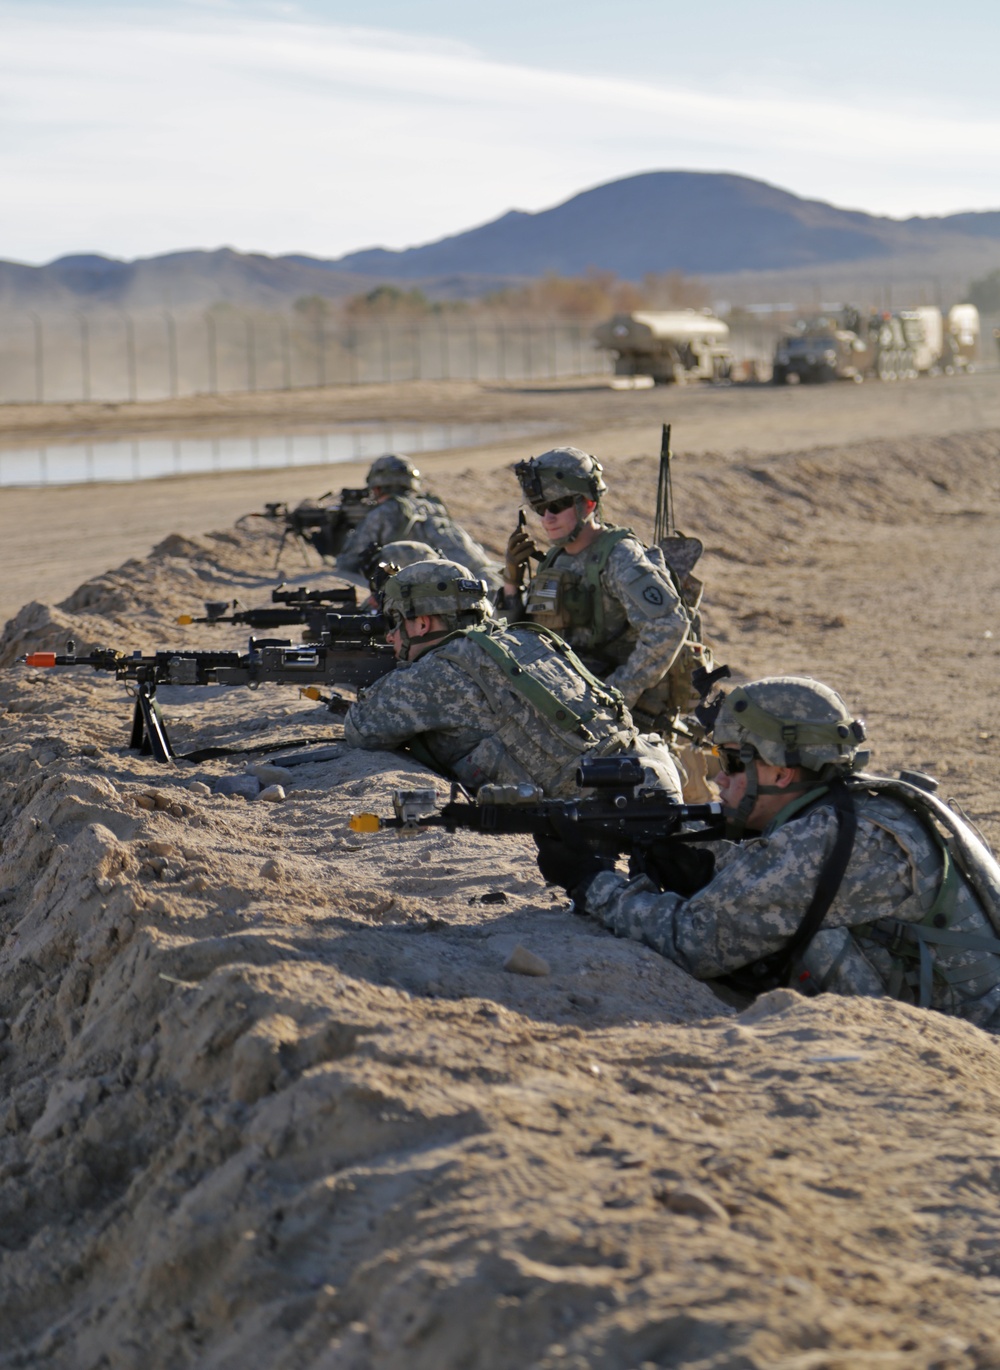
268 1095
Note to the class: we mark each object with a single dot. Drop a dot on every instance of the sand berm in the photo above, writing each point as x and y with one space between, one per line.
268 1096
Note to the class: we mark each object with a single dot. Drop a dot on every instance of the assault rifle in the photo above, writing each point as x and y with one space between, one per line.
349 655
324 526
289 605
615 819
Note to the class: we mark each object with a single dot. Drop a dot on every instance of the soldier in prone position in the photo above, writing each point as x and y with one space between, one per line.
401 512
841 881
481 702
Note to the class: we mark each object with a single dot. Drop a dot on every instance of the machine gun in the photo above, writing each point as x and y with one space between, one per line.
614 819
316 522
348 655
290 605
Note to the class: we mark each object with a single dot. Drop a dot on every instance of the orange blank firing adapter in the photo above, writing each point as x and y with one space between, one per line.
40 659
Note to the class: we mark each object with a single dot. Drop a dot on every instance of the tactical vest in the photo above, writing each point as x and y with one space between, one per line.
424 518
548 708
568 599
940 948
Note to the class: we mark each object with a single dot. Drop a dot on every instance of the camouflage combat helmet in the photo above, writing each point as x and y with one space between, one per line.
790 721
786 721
392 472
444 588
400 554
558 473
379 563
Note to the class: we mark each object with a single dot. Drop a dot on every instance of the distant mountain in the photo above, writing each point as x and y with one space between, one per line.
700 223
722 227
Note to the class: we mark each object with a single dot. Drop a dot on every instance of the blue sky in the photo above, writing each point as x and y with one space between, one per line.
142 128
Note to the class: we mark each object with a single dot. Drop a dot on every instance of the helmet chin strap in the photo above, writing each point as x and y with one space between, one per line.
578 527
738 817
406 642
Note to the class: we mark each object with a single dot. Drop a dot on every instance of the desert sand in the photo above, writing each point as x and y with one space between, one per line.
268 1096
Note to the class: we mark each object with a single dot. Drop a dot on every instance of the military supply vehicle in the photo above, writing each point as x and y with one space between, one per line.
669 346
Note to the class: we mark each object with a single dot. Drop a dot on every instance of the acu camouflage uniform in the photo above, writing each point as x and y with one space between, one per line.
509 706
615 605
903 921
625 610
408 516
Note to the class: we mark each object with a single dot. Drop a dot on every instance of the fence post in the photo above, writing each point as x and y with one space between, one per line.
171 352
213 353
251 335
130 356
39 359
286 356
320 353
352 354
84 355
445 350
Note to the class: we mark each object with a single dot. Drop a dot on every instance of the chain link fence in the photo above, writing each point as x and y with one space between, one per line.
121 356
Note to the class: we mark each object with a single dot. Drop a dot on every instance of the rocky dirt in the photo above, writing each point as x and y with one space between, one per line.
269 1097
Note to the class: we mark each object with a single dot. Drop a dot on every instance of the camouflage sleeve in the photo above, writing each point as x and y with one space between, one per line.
652 605
429 695
757 899
378 526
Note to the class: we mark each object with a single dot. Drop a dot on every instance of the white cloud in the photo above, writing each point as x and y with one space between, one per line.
134 133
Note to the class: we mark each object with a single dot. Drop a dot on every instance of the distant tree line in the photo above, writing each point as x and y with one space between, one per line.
575 299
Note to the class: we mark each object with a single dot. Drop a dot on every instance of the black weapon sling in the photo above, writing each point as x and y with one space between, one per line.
772 971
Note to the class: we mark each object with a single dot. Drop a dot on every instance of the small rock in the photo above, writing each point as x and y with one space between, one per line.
768 1005
698 1203
145 801
177 810
158 906
198 787
524 962
162 801
269 774
161 848
273 794
88 749
246 786
196 885
271 869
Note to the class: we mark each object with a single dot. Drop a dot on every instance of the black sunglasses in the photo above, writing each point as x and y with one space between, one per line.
730 761
554 506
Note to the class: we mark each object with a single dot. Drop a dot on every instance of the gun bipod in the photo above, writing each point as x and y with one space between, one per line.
149 731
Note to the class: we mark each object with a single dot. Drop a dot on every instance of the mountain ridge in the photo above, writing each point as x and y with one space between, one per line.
708 224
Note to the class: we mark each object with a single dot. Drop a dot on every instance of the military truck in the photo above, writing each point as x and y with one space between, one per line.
828 348
670 346
962 338
843 345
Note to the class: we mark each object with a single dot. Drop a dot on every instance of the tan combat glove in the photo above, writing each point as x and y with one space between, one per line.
520 546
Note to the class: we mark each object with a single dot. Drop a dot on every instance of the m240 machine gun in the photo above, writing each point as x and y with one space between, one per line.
289 605
613 820
324 524
350 655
